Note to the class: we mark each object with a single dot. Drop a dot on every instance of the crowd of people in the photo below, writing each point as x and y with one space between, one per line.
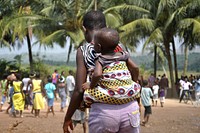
28 90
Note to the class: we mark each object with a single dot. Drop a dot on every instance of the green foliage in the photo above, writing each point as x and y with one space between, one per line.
5 66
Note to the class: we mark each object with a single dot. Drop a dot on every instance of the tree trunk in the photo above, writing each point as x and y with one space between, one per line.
186 59
155 60
69 52
167 48
95 5
175 60
30 52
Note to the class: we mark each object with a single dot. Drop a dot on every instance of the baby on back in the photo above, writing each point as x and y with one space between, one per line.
112 79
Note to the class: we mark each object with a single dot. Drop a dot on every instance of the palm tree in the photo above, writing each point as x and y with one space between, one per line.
189 28
17 26
64 19
165 22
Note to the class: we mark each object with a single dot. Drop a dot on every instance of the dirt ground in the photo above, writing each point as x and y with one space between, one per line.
174 117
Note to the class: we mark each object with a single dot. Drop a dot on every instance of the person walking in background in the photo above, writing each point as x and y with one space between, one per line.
151 80
62 75
186 88
146 96
3 91
181 81
10 90
18 96
70 81
38 93
50 94
62 91
26 90
155 92
164 84
197 91
55 77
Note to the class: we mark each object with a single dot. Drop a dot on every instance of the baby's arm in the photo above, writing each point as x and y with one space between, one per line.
133 68
96 75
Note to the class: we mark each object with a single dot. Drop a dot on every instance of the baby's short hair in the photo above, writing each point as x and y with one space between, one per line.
108 38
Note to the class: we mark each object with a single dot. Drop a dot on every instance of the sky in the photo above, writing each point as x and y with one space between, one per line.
35 48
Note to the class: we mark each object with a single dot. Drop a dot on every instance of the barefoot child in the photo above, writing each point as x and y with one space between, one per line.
50 92
146 94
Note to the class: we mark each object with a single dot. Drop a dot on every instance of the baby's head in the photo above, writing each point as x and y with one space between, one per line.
106 40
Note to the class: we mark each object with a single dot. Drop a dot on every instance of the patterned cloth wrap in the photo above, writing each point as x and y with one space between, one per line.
115 86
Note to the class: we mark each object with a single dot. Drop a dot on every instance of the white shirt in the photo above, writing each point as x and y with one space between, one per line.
25 82
70 83
186 85
155 89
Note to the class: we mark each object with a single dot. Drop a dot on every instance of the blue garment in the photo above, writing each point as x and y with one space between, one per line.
146 94
3 99
11 92
197 85
63 97
50 102
50 88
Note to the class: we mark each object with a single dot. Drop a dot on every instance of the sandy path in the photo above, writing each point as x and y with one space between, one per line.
173 118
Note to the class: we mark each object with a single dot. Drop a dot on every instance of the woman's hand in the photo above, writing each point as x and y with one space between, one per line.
86 86
67 123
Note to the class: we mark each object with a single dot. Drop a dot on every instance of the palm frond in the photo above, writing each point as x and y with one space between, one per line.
156 37
186 23
126 7
144 23
48 40
113 19
77 37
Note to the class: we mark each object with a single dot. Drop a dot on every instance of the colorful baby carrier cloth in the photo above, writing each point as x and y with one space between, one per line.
116 85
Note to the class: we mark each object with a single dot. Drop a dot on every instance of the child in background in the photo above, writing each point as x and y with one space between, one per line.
146 94
155 93
50 92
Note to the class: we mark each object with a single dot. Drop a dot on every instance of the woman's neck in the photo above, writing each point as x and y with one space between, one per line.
111 52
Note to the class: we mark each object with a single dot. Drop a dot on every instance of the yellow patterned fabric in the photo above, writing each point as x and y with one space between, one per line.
18 100
115 87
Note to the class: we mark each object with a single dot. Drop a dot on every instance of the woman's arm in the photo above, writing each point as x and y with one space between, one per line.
77 97
133 68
